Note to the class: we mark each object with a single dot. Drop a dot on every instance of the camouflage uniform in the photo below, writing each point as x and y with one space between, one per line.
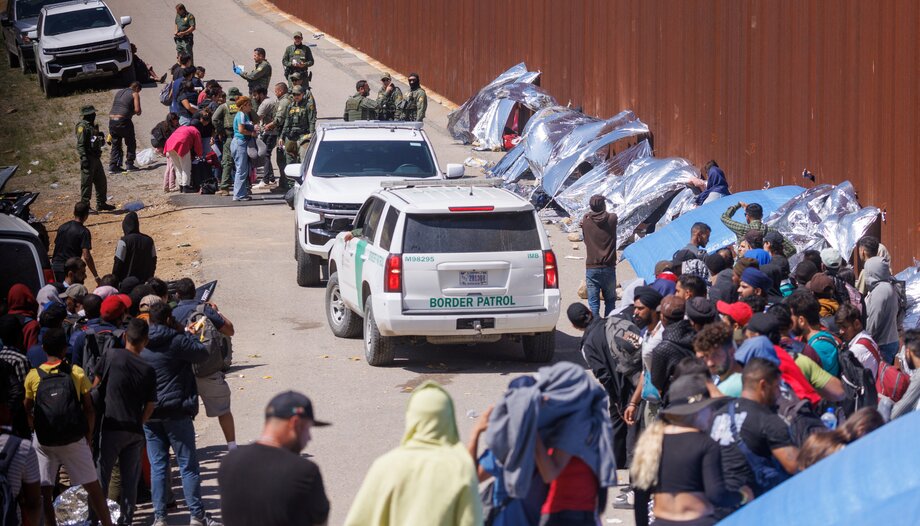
284 103
223 124
259 77
186 43
300 54
299 125
89 148
360 108
387 103
414 106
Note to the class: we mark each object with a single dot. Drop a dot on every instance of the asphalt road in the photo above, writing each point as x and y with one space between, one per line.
282 340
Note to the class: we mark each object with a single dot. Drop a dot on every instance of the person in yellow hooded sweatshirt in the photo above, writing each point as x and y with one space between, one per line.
429 479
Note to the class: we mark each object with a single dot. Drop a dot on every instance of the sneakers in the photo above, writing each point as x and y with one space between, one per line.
244 198
105 207
131 168
223 193
260 185
116 169
159 521
204 521
625 500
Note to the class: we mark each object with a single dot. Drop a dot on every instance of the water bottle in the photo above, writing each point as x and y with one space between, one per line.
830 419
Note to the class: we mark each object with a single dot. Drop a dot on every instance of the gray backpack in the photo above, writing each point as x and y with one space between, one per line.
220 351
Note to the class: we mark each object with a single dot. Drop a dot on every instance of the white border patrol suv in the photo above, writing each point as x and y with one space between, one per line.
344 163
447 262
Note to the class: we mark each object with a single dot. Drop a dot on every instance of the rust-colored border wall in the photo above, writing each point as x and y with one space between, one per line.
766 88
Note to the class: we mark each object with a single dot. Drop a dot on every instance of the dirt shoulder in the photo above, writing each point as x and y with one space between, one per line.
38 134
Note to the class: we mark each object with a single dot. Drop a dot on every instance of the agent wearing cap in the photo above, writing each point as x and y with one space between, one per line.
753 216
89 148
388 98
268 482
297 57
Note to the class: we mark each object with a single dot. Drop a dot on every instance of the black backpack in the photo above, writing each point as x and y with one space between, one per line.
96 344
858 383
59 417
799 415
8 505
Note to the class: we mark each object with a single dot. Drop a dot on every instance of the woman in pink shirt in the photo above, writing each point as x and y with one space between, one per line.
179 147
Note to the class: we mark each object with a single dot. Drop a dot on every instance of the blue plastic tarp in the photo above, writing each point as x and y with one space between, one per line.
874 480
662 244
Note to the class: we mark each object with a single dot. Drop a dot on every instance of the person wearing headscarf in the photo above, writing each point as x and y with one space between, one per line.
50 293
716 184
21 303
775 273
429 479
105 291
136 253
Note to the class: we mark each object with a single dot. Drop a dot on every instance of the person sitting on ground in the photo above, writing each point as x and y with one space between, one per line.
142 71
679 464
714 345
429 478
716 184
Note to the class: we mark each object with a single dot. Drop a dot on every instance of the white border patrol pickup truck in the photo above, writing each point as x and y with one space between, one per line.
449 262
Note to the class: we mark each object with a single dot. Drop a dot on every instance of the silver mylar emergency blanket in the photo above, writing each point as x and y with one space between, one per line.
482 118
911 277
71 508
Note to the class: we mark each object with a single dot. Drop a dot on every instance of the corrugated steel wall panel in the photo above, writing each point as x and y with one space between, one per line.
767 88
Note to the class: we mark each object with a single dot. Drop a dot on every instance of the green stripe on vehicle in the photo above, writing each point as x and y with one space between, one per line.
359 270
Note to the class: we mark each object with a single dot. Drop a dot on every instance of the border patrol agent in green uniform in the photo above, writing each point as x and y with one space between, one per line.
359 107
185 26
297 57
261 74
388 98
299 126
285 98
416 102
89 148
223 123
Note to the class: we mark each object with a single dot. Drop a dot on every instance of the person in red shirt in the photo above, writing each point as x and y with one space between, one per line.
573 488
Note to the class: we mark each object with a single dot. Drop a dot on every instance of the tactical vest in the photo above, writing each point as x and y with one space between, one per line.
354 111
232 110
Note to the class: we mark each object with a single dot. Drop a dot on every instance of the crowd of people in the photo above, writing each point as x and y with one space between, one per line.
733 371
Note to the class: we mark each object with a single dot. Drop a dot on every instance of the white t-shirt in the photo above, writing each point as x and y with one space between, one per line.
863 354
24 469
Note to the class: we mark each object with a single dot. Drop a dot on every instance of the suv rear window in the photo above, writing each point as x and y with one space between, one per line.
450 233
373 158
78 21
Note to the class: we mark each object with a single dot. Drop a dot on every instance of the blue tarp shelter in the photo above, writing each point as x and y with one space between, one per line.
662 244
874 480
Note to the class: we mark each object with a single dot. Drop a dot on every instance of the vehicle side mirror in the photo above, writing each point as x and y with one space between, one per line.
454 171
293 171
125 20
341 224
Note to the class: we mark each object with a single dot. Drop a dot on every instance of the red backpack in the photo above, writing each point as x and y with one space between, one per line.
889 381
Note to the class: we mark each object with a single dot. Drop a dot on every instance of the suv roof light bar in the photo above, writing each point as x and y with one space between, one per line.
443 183
370 124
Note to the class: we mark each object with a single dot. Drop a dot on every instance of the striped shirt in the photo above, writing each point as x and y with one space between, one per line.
24 468
17 360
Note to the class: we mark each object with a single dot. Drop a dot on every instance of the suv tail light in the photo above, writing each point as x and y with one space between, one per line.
550 270
392 274
49 275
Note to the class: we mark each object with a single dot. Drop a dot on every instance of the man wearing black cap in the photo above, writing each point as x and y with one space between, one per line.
753 216
599 229
269 483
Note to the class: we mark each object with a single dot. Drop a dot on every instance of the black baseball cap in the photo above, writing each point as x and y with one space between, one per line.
291 403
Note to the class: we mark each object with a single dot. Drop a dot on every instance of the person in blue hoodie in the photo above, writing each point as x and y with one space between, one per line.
171 352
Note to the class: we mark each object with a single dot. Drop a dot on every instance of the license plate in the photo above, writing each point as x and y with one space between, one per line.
474 278
89 68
